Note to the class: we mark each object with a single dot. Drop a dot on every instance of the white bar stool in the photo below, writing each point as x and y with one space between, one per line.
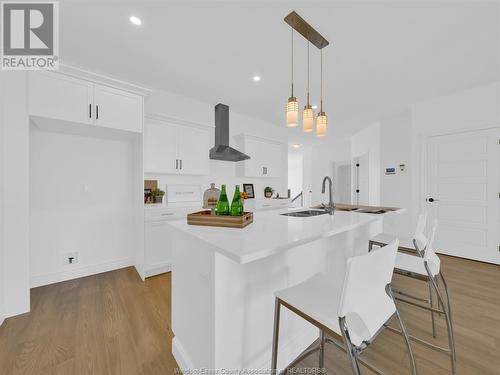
351 313
412 245
426 266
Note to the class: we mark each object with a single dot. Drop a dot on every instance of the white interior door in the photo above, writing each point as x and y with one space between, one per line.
463 186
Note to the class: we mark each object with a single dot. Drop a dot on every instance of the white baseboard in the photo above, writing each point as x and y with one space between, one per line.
40 280
157 269
290 349
180 355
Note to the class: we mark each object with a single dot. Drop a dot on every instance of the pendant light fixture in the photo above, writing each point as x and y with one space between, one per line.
312 36
292 106
322 119
308 114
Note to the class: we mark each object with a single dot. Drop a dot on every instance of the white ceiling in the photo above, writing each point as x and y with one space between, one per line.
383 56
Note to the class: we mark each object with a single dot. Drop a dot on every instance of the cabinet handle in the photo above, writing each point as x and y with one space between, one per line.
167 214
176 163
90 110
97 112
181 163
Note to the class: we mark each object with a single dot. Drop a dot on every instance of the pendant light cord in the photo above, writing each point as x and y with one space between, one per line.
308 71
292 61
321 81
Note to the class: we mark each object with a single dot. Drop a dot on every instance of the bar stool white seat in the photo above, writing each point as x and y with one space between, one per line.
416 265
352 310
412 245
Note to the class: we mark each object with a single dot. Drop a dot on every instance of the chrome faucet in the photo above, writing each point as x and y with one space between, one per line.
331 206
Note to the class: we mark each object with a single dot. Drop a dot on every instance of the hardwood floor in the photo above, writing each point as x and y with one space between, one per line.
112 323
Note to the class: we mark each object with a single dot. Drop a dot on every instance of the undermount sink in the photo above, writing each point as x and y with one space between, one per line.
306 213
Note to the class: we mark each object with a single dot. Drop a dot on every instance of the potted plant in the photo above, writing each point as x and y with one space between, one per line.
157 195
268 192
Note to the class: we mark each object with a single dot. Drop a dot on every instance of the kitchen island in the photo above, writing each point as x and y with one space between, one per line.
223 280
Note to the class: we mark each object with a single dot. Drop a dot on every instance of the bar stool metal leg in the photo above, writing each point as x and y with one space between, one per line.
447 297
276 331
431 300
451 339
351 352
322 340
404 332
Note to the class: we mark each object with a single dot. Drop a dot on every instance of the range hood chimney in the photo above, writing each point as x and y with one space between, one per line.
221 150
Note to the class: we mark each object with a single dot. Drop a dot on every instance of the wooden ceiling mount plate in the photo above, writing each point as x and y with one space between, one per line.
306 30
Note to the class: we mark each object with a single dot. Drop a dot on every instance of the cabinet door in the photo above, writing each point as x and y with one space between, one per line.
60 97
118 109
254 167
193 146
272 161
157 246
160 148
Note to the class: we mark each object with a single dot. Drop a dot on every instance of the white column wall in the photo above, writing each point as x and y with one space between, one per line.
15 194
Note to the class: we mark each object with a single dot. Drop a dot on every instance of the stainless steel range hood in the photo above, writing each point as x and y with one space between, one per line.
222 150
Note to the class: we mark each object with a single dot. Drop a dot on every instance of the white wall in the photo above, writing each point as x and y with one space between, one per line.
2 156
318 162
403 139
82 194
15 234
221 172
395 149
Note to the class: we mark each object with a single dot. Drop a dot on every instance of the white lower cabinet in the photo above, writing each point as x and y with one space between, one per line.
157 247
158 237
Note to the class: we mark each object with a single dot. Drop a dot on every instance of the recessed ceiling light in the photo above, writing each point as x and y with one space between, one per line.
256 78
314 106
135 20
296 145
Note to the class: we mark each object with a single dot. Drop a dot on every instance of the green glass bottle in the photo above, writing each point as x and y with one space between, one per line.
236 205
222 204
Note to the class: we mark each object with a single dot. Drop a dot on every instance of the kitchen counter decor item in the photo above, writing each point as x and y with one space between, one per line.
222 208
149 186
211 197
205 218
268 192
157 195
237 203
248 189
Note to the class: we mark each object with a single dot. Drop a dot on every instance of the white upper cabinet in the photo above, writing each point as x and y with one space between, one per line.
160 148
193 147
117 109
63 97
265 157
60 97
175 149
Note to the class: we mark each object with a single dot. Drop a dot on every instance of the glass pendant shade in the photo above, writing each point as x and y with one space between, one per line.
308 119
292 112
321 124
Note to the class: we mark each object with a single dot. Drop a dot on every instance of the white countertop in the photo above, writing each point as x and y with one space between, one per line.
271 232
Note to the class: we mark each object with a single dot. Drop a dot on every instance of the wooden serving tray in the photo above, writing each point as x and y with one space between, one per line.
206 218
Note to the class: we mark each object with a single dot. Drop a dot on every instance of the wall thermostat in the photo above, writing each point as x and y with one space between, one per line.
390 170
